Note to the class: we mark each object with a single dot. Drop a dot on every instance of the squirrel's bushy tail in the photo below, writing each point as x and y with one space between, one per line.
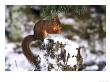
26 49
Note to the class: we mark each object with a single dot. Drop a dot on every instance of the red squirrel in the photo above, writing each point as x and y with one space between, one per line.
41 30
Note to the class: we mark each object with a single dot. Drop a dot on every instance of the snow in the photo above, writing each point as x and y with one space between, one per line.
17 61
92 68
68 21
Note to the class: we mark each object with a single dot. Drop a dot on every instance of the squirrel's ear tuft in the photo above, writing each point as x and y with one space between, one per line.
56 18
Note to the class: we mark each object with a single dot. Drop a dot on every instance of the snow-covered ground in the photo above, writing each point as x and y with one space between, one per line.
15 61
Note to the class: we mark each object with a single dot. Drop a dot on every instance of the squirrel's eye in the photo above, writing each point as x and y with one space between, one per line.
57 25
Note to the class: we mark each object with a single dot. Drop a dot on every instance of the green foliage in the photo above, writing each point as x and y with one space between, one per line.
13 17
52 10
66 27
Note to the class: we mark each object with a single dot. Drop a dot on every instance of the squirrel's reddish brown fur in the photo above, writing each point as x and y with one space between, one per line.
41 30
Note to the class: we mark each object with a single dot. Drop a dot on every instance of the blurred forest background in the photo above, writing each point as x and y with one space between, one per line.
85 25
